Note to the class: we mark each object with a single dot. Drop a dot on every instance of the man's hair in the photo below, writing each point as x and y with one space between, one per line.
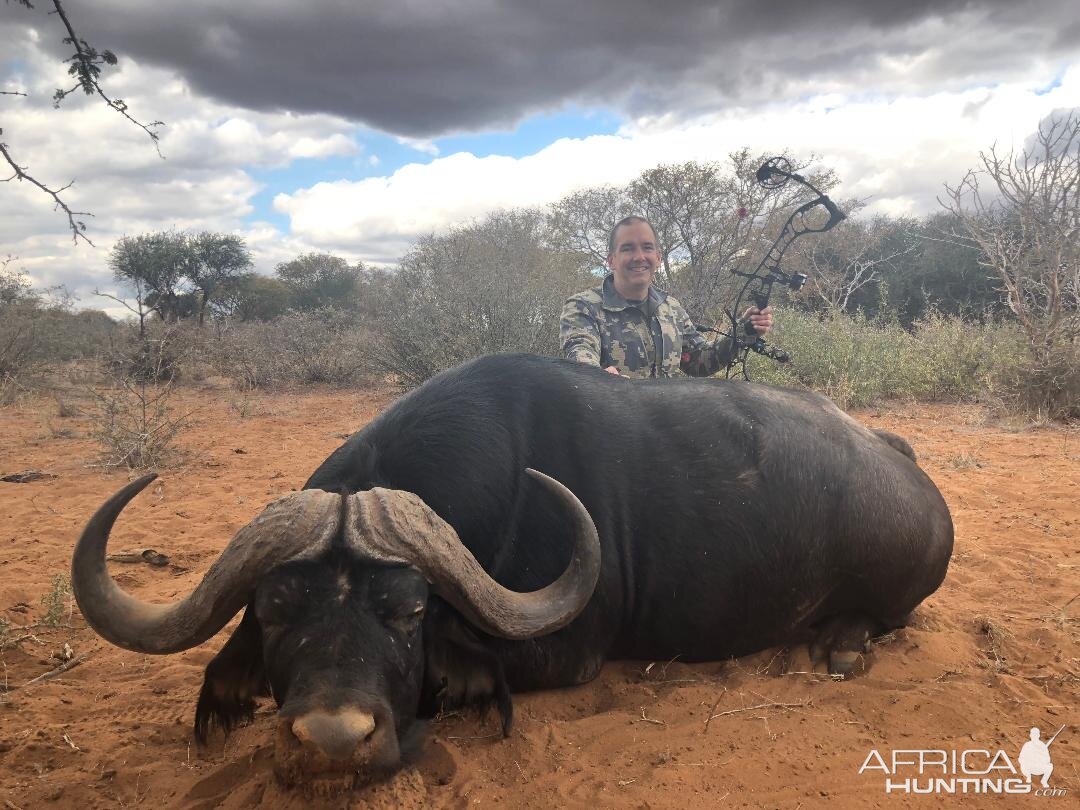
630 220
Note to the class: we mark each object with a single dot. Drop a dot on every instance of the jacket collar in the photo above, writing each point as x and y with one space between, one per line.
611 300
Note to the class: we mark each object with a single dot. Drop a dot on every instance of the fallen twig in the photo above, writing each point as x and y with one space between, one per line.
477 737
52 673
650 720
675 680
715 704
829 675
14 642
26 476
769 705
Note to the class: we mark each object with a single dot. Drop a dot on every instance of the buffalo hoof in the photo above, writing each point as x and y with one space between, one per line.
846 663
842 645
793 660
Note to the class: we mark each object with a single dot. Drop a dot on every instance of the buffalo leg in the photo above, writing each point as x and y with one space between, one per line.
557 662
898 443
234 678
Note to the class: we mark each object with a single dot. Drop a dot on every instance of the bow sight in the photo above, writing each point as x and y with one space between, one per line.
816 216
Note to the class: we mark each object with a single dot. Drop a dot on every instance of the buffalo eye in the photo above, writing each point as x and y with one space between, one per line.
280 605
407 623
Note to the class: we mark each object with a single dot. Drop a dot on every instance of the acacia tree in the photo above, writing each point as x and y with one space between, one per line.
177 274
322 280
15 286
579 223
214 259
940 273
253 297
154 265
1026 224
495 285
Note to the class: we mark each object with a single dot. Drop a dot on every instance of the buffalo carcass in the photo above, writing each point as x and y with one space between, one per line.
729 517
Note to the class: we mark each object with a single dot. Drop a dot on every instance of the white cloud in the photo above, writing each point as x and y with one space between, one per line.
897 153
423 145
896 149
203 181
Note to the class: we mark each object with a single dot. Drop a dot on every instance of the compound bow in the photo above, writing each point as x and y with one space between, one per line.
773 174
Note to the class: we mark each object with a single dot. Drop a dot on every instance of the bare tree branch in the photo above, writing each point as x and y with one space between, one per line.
78 227
85 65
1026 223
842 262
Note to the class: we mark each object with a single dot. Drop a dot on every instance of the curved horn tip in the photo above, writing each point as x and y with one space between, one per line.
143 481
539 476
132 488
553 484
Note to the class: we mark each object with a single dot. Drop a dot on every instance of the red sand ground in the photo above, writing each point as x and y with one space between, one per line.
994 652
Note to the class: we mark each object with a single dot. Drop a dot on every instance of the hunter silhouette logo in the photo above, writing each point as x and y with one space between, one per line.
938 771
1034 759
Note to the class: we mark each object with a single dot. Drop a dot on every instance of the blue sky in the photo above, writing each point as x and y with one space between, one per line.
390 153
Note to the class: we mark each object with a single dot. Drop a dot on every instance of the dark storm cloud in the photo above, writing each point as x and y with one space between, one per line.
421 68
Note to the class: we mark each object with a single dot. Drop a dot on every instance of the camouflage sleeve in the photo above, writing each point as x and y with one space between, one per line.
579 333
701 358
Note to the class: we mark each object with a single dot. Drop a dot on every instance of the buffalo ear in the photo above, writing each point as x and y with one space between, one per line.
234 678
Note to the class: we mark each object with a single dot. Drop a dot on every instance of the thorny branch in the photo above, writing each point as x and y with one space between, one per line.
78 227
86 67
85 64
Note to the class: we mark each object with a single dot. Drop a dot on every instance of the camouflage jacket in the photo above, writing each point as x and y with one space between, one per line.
601 328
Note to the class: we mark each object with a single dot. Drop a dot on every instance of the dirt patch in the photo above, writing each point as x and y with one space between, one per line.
993 653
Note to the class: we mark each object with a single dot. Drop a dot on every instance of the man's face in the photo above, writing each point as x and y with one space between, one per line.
634 260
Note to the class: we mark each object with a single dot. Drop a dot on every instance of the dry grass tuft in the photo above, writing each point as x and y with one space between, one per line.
56 601
964 460
996 637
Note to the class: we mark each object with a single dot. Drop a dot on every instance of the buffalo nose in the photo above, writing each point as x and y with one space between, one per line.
336 734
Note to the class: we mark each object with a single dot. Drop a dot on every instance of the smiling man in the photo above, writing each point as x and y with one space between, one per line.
628 327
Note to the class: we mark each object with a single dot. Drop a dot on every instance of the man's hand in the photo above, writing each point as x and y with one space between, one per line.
612 370
760 319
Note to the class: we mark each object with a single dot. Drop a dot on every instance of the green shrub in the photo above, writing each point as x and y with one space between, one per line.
57 601
856 361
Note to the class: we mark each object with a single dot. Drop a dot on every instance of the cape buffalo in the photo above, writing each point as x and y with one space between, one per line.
422 568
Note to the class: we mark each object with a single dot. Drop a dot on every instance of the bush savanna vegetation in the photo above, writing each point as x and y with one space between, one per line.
976 302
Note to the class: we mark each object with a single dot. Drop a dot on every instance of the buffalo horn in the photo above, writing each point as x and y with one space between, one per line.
298 524
397 526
